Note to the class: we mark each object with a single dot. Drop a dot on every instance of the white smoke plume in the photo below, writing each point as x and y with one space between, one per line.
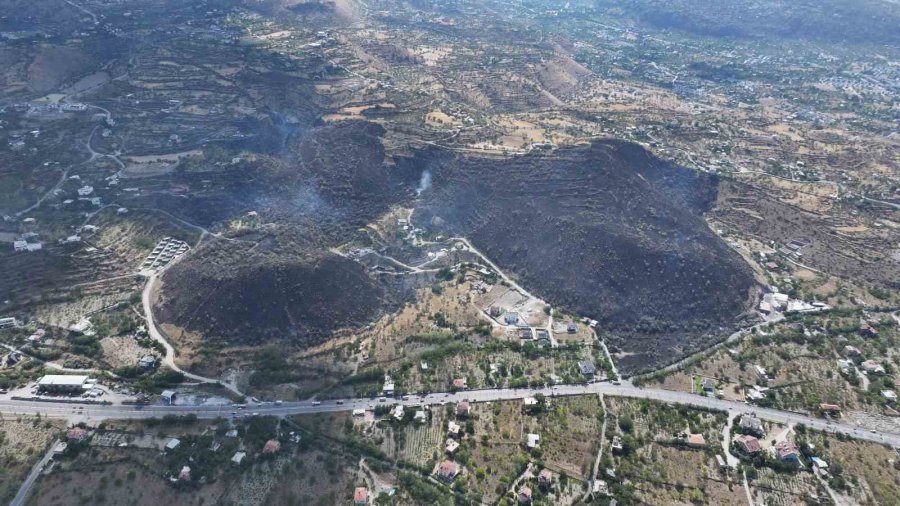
424 182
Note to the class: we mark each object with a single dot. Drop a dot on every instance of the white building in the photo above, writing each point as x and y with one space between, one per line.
63 383
85 190
761 373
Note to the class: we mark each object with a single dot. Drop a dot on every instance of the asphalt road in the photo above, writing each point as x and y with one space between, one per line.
19 499
102 412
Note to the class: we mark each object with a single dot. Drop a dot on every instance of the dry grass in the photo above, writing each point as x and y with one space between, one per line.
22 442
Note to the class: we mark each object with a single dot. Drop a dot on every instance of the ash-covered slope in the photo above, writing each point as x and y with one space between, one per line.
246 294
282 283
606 231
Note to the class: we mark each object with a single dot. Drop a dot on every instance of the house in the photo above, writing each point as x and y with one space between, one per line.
33 246
447 470
830 409
533 440
616 445
185 474
238 457
460 383
361 496
524 495
85 190
571 328
37 336
707 384
868 330
462 408
397 412
749 445
494 311
845 365
420 416
545 478
453 427
173 443
388 388
271 446
20 245
872 367
168 397
63 384
889 395
851 351
751 424
77 434
232 433
529 402
82 326
147 362
526 333
761 373
819 463
451 445
720 462
695 440
359 412
8 323
587 368
511 318
786 451
424 365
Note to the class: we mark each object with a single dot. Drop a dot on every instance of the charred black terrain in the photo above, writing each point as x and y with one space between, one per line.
248 294
607 231
280 282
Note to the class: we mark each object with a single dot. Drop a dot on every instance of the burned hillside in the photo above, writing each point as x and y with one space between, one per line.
248 293
607 231
279 282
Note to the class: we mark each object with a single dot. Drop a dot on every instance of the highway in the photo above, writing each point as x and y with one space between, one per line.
94 412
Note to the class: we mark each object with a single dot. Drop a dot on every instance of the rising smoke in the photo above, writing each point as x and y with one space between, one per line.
424 182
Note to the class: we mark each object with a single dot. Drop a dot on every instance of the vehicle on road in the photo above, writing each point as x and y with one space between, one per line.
316 403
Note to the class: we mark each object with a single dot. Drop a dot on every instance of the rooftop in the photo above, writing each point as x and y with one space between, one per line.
62 380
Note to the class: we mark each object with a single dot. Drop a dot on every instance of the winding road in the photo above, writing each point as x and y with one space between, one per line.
156 335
